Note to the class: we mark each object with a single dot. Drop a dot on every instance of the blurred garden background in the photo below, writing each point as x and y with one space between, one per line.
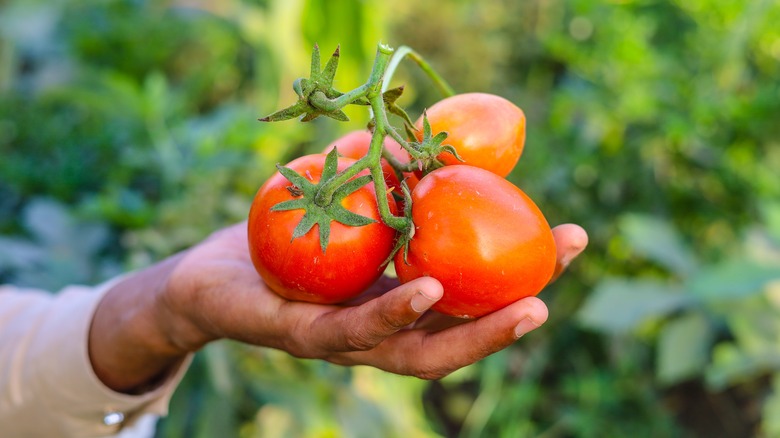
128 131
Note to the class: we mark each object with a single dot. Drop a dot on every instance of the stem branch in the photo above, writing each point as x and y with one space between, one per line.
405 51
319 100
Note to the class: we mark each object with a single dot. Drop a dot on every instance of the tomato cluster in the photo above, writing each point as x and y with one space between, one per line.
478 234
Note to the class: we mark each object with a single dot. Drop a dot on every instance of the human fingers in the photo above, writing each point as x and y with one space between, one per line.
363 327
434 355
570 241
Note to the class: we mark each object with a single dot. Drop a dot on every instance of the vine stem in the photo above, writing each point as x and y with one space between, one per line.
325 195
372 159
404 51
322 102
442 85
375 151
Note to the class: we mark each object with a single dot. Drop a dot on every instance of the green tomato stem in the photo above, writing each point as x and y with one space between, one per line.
405 51
383 54
395 163
372 89
325 194
319 100
375 152
399 223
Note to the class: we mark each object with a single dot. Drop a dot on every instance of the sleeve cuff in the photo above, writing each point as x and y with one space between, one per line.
62 346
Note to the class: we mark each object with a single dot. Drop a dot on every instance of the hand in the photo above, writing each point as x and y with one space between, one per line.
212 291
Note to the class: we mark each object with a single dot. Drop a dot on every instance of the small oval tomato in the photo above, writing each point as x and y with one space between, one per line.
297 269
481 237
355 145
486 130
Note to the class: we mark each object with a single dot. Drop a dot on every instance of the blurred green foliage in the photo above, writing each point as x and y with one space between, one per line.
128 131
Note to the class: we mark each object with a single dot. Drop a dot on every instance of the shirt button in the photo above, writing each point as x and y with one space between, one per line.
113 418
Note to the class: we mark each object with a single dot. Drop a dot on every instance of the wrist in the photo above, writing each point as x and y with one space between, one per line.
131 347
175 300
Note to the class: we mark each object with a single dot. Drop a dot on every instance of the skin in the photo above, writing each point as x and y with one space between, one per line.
147 323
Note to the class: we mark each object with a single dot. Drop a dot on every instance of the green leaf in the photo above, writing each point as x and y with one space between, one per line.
733 279
620 305
48 220
770 213
219 367
683 348
770 423
657 240
731 365
754 325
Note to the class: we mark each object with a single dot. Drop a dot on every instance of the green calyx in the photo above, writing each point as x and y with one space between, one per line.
322 202
305 193
427 151
316 95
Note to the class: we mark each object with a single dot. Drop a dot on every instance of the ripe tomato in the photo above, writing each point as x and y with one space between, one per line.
355 145
486 130
481 237
297 269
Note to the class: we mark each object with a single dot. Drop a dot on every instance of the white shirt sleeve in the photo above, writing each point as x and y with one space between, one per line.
47 384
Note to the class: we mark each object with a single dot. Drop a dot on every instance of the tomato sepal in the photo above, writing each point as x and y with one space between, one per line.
390 97
316 95
427 151
321 215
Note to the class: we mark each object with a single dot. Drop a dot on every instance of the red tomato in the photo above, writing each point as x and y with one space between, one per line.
486 130
481 237
355 145
297 269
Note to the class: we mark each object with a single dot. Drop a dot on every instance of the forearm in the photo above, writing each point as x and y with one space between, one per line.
131 346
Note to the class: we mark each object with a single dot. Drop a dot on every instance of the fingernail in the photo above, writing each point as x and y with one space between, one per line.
525 326
422 302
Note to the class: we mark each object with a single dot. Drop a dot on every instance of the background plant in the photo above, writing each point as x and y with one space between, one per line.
651 123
